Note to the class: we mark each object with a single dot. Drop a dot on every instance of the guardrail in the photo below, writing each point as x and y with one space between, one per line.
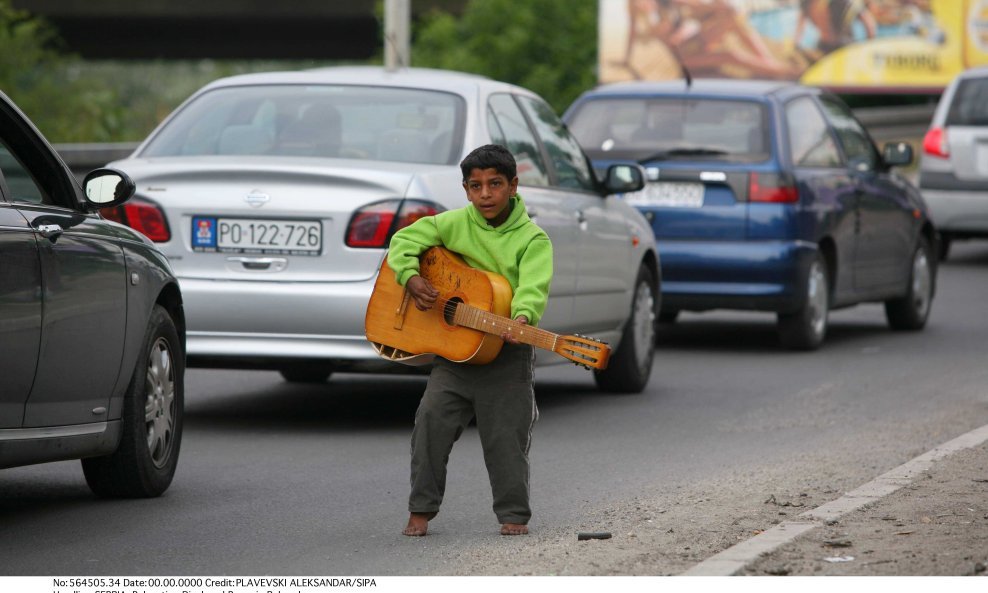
896 123
884 124
83 158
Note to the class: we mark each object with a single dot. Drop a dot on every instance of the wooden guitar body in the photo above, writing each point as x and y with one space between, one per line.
467 321
400 332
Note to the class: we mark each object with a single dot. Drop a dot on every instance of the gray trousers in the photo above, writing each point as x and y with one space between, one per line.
499 394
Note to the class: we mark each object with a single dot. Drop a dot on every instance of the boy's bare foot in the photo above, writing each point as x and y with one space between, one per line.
513 529
418 524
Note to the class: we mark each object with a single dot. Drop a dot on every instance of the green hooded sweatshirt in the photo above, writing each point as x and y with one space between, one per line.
517 249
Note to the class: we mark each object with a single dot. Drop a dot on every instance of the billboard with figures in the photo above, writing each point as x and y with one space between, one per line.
849 45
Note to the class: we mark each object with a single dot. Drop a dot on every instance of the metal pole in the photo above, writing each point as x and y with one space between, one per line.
397 21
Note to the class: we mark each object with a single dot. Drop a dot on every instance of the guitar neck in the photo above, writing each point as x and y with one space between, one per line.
480 320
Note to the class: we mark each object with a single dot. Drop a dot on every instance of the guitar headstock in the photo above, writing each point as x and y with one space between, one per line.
590 353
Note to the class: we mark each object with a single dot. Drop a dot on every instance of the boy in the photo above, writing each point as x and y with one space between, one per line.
493 233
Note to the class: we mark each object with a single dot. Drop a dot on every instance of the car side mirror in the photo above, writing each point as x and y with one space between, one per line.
897 154
624 178
105 188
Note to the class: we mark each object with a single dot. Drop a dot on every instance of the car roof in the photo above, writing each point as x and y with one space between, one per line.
975 72
726 87
442 80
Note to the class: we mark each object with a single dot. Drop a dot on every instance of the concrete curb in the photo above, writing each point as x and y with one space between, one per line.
735 558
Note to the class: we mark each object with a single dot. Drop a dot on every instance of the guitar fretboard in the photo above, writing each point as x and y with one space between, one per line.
478 319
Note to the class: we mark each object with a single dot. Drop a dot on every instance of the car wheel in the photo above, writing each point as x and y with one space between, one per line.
306 372
911 311
806 328
631 364
151 433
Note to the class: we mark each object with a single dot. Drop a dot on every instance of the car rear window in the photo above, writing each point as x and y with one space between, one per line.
657 128
359 122
970 104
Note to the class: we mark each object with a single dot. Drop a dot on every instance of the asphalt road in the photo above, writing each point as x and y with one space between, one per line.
276 478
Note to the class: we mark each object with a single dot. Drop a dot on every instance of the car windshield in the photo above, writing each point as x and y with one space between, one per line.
657 129
358 122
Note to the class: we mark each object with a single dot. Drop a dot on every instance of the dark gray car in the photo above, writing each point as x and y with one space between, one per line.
92 333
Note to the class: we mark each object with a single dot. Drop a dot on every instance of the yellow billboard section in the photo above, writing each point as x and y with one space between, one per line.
914 61
976 38
865 45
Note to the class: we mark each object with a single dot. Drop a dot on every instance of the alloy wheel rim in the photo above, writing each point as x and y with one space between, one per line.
817 298
159 405
922 283
644 328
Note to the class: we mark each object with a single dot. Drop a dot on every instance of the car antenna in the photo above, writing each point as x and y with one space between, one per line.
686 77
682 67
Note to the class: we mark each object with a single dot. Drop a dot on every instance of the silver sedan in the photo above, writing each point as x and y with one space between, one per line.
274 196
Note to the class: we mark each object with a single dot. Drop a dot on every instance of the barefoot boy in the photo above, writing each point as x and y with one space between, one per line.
493 233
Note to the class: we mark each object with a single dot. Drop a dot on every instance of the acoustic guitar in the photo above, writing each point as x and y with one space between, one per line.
467 321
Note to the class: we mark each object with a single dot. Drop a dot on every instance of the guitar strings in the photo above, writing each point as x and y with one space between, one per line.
450 305
581 351
497 322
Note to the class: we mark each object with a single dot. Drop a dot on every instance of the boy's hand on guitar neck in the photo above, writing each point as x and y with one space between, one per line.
423 292
507 336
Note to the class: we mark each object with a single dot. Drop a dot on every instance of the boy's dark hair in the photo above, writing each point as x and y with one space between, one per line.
490 156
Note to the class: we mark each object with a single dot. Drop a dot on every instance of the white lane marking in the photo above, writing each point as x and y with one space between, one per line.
733 559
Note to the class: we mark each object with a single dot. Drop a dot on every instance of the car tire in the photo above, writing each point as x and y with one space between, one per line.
306 372
151 424
944 250
668 317
631 364
806 328
910 312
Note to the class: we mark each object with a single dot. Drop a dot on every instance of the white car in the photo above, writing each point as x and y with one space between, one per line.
274 197
953 173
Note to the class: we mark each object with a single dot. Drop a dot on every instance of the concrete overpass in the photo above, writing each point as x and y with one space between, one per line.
220 29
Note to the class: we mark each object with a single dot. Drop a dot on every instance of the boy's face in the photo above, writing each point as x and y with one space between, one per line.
490 192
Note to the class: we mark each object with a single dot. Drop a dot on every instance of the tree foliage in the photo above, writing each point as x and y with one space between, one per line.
74 100
547 46
49 86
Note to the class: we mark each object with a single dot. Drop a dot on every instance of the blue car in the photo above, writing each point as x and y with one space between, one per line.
767 196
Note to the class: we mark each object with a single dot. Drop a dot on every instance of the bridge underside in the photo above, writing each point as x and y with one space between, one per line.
242 37
221 29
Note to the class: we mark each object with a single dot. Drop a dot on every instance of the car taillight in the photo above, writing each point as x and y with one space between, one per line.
374 224
935 143
141 215
769 187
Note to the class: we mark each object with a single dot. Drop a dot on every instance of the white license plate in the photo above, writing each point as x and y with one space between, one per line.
253 235
674 194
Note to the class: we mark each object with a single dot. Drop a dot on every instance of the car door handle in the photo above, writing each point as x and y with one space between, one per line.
50 231
581 217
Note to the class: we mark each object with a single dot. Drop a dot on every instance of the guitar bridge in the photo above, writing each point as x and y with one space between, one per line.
402 309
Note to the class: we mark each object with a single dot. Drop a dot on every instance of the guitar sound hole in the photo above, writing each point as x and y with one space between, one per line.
449 310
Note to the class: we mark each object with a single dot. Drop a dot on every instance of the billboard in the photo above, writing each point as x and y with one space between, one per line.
850 45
